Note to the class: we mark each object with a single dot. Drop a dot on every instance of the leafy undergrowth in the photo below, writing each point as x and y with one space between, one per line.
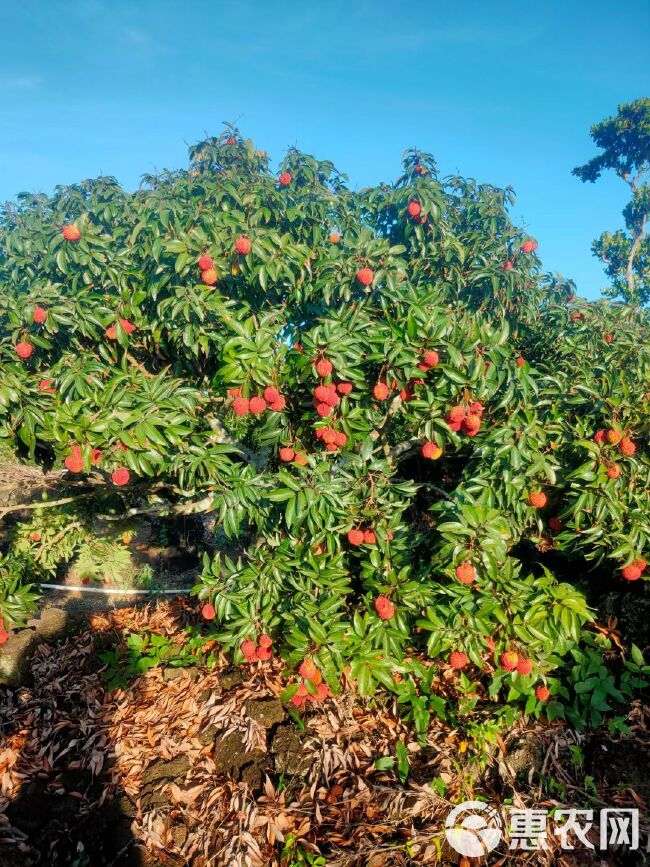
194 763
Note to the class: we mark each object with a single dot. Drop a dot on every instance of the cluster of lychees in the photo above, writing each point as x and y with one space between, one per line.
311 688
466 417
270 399
509 660
260 652
74 463
127 327
614 437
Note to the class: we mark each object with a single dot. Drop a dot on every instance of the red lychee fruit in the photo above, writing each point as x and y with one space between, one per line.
365 276
520 361
4 636
240 406
120 476
301 459
243 245
599 437
46 385
209 277
458 660
608 338
285 179
74 462
631 572
340 439
287 454
34 537
614 437
265 640
509 660
431 357
414 208
613 471
322 393
71 233
208 611
355 537
476 408
465 573
641 564
507 265
537 499
344 387
39 314
278 405
369 537
205 263
529 246
335 238
249 650
257 405
111 332
263 654
456 413
524 666
555 524
271 394
542 693
24 349
323 410
324 367
380 391
431 450
384 607
308 669
95 456
627 447
471 425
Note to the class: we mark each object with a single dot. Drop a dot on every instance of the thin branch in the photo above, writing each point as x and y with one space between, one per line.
41 504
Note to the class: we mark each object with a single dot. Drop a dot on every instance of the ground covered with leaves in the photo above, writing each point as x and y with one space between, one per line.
193 762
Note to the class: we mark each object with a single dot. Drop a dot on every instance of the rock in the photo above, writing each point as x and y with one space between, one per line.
171 770
233 759
14 658
267 712
53 623
207 736
230 679
172 674
288 753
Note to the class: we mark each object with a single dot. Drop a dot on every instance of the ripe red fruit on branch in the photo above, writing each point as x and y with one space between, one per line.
249 650
335 238
431 357
613 471
608 338
631 572
365 276
240 406
120 476
384 607
614 437
471 424
74 462
458 660
537 499
24 349
39 315
71 233
243 245
380 391
278 405
627 447
34 537
431 450
271 395
507 265
456 413
344 387
324 367
4 636
355 537
46 385
205 263
300 459
209 277
414 208
308 669
369 537
257 405
529 246
466 573
208 611
599 437
340 439
265 640
287 454
285 179
508 660
555 524
323 393
641 564
323 410
520 361
524 666
542 693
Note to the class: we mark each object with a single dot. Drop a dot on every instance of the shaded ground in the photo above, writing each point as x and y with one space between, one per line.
200 767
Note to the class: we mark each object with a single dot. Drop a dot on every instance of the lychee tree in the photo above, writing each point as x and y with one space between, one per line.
416 444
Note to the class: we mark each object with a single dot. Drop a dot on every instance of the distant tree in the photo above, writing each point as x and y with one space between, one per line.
625 144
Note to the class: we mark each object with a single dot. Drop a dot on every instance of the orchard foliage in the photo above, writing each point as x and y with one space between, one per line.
392 412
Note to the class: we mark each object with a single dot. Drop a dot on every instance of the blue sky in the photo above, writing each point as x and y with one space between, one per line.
504 92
